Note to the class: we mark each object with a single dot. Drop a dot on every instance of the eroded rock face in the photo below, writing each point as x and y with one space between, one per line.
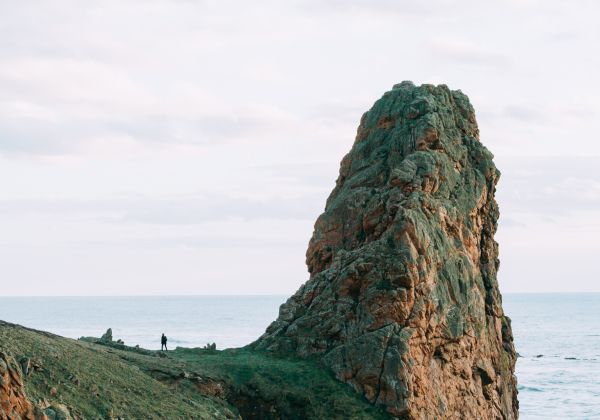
14 403
402 301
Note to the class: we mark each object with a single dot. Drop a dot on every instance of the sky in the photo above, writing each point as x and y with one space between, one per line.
186 147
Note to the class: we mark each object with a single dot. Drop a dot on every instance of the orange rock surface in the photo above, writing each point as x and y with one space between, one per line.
402 302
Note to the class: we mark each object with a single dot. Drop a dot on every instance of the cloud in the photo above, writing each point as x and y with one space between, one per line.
523 113
549 187
32 129
466 52
529 113
173 210
375 6
311 175
542 187
194 241
226 121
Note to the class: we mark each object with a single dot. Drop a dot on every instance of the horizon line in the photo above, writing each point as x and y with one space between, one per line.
250 295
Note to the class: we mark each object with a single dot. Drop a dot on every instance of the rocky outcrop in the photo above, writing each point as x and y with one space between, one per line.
403 302
107 337
14 403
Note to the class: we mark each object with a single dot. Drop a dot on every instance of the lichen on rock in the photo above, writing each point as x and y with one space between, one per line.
402 301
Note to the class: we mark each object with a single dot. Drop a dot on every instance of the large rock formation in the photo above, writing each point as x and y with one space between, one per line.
402 301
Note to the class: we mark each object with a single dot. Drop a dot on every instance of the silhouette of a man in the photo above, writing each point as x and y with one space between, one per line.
163 342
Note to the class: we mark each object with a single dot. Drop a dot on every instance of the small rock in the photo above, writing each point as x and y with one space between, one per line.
107 337
25 363
50 413
58 412
37 365
210 346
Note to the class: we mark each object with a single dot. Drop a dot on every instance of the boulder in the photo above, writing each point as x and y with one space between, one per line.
107 337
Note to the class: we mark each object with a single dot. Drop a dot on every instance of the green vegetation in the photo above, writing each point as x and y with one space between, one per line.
93 380
292 388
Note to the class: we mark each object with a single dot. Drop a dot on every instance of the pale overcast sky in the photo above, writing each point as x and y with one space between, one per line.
186 147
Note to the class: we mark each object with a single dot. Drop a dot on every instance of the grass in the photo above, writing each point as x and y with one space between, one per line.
98 381
95 381
295 388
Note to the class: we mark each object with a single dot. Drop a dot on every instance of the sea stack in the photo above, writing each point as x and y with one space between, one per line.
402 301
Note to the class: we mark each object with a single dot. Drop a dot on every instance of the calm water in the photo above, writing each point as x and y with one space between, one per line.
557 335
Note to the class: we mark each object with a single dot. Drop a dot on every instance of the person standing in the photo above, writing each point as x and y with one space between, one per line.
163 342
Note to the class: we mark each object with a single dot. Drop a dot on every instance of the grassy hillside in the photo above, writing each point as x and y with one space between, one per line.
94 381
91 380
262 386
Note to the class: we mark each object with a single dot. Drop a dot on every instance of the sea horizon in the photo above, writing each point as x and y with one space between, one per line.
557 367
251 294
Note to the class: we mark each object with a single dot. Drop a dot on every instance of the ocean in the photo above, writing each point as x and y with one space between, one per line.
557 335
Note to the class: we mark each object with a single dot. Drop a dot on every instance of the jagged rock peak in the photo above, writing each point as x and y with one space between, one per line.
402 301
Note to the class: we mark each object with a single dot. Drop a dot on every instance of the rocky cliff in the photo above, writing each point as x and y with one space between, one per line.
402 302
